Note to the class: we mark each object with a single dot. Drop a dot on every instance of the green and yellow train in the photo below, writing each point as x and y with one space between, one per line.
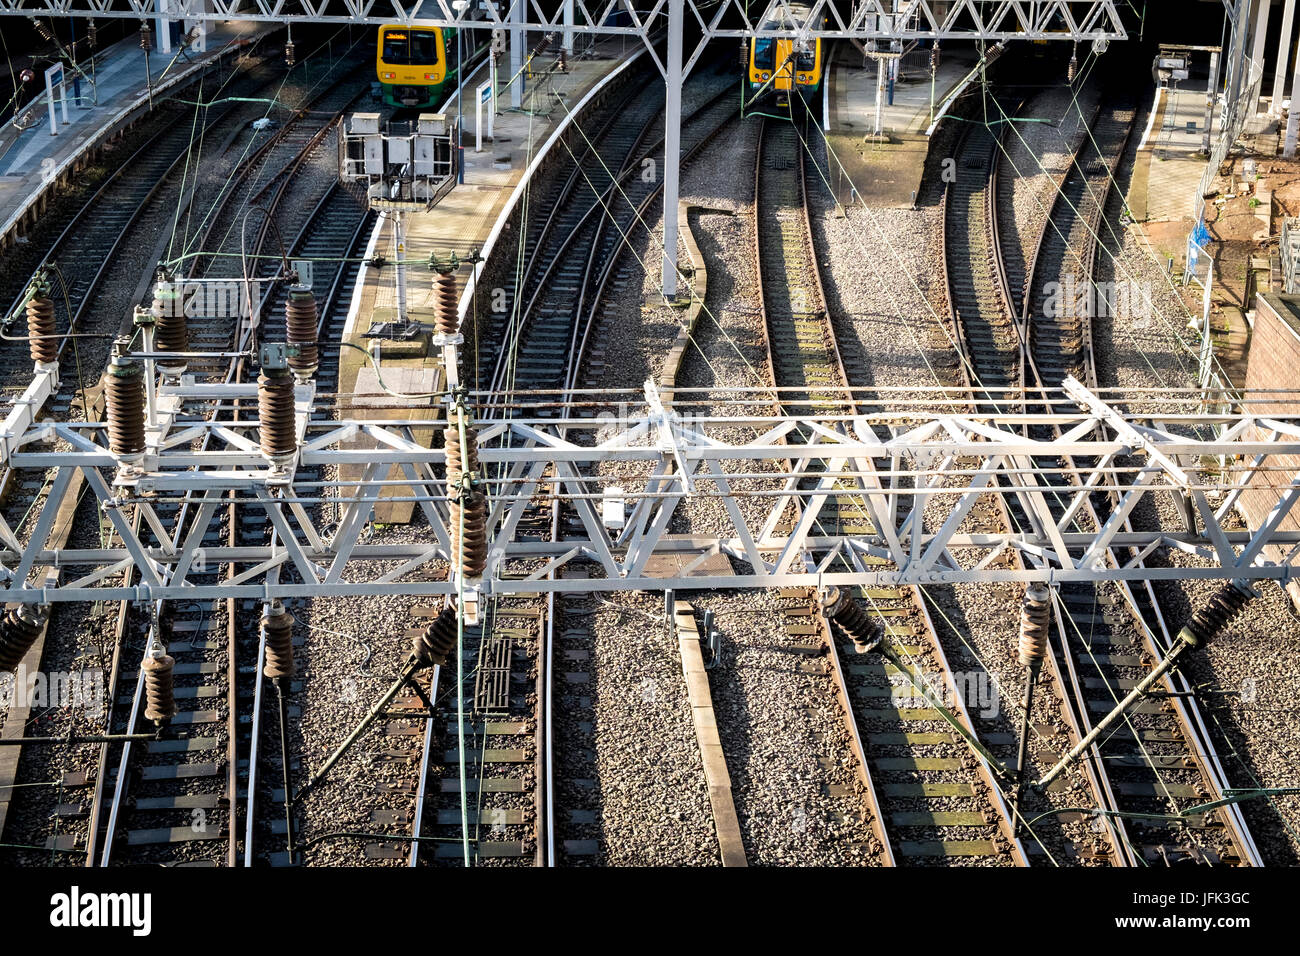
418 67
779 66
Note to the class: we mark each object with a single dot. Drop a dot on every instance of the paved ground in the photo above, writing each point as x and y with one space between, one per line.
1170 163
459 224
884 171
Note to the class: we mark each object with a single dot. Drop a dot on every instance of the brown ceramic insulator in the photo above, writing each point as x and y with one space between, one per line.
159 688
171 330
1209 620
124 389
435 643
301 321
1035 613
277 628
470 551
171 333
446 304
275 414
40 327
19 629
456 468
854 621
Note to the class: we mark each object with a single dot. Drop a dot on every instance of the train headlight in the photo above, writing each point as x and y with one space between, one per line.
430 76
764 76
390 76
803 77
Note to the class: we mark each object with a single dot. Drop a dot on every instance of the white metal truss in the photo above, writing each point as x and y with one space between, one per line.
864 19
913 475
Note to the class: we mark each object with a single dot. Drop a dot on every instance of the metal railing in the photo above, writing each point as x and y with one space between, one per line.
1289 252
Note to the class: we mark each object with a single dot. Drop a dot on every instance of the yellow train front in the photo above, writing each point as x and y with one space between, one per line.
416 64
781 65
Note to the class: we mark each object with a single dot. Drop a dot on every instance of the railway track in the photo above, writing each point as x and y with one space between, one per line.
979 295
931 801
981 234
504 821
1061 298
524 807
565 206
507 785
1159 760
95 256
593 215
337 226
103 257
78 227
1101 645
204 773
526 797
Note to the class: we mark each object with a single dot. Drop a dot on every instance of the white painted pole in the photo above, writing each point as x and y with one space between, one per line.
50 87
517 55
1237 63
1257 54
1293 118
493 113
1283 60
399 235
483 94
826 99
201 41
568 26
672 144
164 27
880 92
1207 139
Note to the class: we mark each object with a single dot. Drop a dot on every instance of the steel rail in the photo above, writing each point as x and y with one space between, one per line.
235 367
1187 712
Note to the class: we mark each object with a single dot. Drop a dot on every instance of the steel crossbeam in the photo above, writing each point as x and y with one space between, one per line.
1076 20
915 476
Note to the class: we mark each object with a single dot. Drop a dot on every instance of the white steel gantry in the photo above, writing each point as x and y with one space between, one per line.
699 21
915 472
863 19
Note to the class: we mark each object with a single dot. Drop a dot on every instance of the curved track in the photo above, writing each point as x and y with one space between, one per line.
932 803
1155 763
170 799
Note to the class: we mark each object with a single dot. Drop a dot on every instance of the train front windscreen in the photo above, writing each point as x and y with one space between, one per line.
415 48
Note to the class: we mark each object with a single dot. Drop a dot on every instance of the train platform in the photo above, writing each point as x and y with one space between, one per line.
886 170
31 158
469 219
1170 162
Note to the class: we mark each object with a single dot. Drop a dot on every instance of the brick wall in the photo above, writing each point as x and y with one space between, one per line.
1274 363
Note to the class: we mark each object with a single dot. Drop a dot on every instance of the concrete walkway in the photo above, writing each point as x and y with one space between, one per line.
885 170
1169 164
467 219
